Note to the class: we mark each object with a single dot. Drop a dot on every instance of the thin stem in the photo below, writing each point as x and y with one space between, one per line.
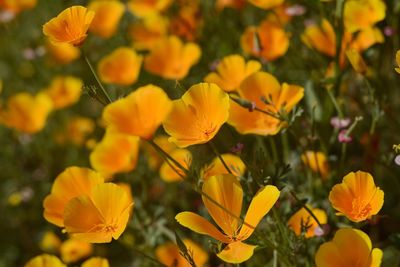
215 150
306 208
335 103
247 104
148 257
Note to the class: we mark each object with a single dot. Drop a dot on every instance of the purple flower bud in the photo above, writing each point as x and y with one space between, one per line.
295 10
389 31
338 123
344 138
237 148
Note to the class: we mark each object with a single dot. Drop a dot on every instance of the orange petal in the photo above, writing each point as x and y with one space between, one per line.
236 252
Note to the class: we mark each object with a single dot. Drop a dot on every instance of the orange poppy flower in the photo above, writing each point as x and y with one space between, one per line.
231 71
73 250
72 182
349 247
302 219
50 242
174 173
64 91
187 22
321 37
96 262
196 117
153 157
45 260
171 59
140 113
367 38
16 6
26 113
357 197
78 129
361 14
116 153
108 14
121 67
317 162
144 8
216 167
63 53
280 98
70 26
91 218
169 254
227 191
266 4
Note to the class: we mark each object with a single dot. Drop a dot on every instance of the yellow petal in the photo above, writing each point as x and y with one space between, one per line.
260 205
236 252
73 250
169 254
303 218
216 167
376 255
328 255
200 225
108 15
174 173
96 262
44 260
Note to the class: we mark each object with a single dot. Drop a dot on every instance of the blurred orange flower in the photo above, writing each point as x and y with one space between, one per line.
186 22
140 113
196 117
398 61
70 26
169 172
143 8
96 262
169 254
25 112
50 242
72 182
108 14
236 4
367 38
100 216
277 98
153 157
357 197
216 167
349 247
171 59
63 53
45 260
227 191
116 153
266 4
317 162
321 37
361 14
73 250
231 71
78 128
16 6
303 220
64 91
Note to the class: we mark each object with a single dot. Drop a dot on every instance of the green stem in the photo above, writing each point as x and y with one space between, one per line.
148 257
215 150
335 103
306 208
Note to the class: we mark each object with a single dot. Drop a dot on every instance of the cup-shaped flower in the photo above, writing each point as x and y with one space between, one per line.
317 162
45 260
140 113
302 220
357 197
262 89
145 8
320 37
72 182
266 4
64 91
197 116
361 14
73 250
96 262
70 26
231 71
169 172
169 254
121 67
227 192
99 217
216 167
116 153
349 247
26 113
171 59
108 14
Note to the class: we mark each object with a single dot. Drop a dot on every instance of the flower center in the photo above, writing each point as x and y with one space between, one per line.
360 210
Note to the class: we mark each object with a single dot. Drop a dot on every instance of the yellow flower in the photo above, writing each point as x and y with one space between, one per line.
121 67
174 173
100 216
169 254
398 61
269 40
280 98
70 26
16 6
108 14
26 113
144 8
227 191
64 91
367 38
73 250
78 128
186 22
50 242
153 157
317 162
197 116
357 197
171 59
63 53
72 182
361 14
231 71
357 61
349 247
216 167
140 113
45 260
266 4
321 37
96 262
145 33
303 220
116 153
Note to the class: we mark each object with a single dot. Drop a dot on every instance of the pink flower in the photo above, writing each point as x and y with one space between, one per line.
344 138
339 123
